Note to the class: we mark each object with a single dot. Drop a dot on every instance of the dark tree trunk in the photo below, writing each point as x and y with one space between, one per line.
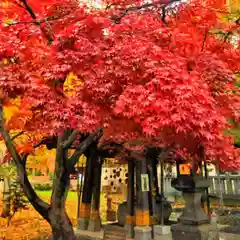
95 220
88 180
61 226
85 206
155 179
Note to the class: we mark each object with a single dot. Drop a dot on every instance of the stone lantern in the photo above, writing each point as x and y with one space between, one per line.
194 223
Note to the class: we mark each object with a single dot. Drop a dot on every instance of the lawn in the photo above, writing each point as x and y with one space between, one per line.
47 194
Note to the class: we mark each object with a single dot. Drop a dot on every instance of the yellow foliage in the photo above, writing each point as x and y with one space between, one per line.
11 109
82 160
5 4
8 21
233 5
42 156
71 83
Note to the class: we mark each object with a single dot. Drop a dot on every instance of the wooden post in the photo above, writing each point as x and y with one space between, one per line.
162 191
178 168
79 190
153 190
130 221
95 220
220 194
85 207
203 156
207 191
142 188
155 178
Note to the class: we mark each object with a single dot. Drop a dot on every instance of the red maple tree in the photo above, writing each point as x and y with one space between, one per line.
154 73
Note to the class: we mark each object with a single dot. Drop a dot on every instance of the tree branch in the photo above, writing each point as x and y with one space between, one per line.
29 9
34 17
19 5
41 206
70 140
163 18
204 40
164 4
82 147
17 135
36 22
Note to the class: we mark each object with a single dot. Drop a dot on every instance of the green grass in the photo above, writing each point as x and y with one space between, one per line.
47 194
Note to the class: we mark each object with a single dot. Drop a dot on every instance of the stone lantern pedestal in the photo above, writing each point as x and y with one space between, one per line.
194 223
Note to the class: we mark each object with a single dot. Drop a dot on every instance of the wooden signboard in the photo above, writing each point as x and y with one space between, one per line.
145 182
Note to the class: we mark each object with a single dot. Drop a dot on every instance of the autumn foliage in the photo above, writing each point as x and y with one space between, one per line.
162 80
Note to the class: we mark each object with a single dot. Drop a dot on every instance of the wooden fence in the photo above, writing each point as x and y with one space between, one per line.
227 185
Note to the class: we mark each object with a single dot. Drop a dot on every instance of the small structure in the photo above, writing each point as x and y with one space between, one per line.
143 206
194 224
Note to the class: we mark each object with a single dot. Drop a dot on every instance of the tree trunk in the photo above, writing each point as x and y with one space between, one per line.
61 225
95 219
6 198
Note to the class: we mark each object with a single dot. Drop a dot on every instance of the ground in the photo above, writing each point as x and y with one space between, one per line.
29 225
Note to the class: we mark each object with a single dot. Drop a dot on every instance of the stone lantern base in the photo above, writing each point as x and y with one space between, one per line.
188 232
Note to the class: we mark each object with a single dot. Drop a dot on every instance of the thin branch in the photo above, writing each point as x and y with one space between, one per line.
36 22
17 135
204 40
29 9
117 19
19 5
34 17
226 37
163 18
108 6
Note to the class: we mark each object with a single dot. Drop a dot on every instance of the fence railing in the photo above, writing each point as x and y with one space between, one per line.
227 185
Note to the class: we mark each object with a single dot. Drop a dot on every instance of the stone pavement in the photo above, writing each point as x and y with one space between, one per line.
86 235
229 236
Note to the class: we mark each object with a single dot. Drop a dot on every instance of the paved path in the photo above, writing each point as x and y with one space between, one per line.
85 235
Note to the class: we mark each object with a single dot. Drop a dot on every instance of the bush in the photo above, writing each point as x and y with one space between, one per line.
51 175
17 199
43 187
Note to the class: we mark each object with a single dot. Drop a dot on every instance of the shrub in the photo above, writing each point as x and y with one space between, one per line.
43 187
